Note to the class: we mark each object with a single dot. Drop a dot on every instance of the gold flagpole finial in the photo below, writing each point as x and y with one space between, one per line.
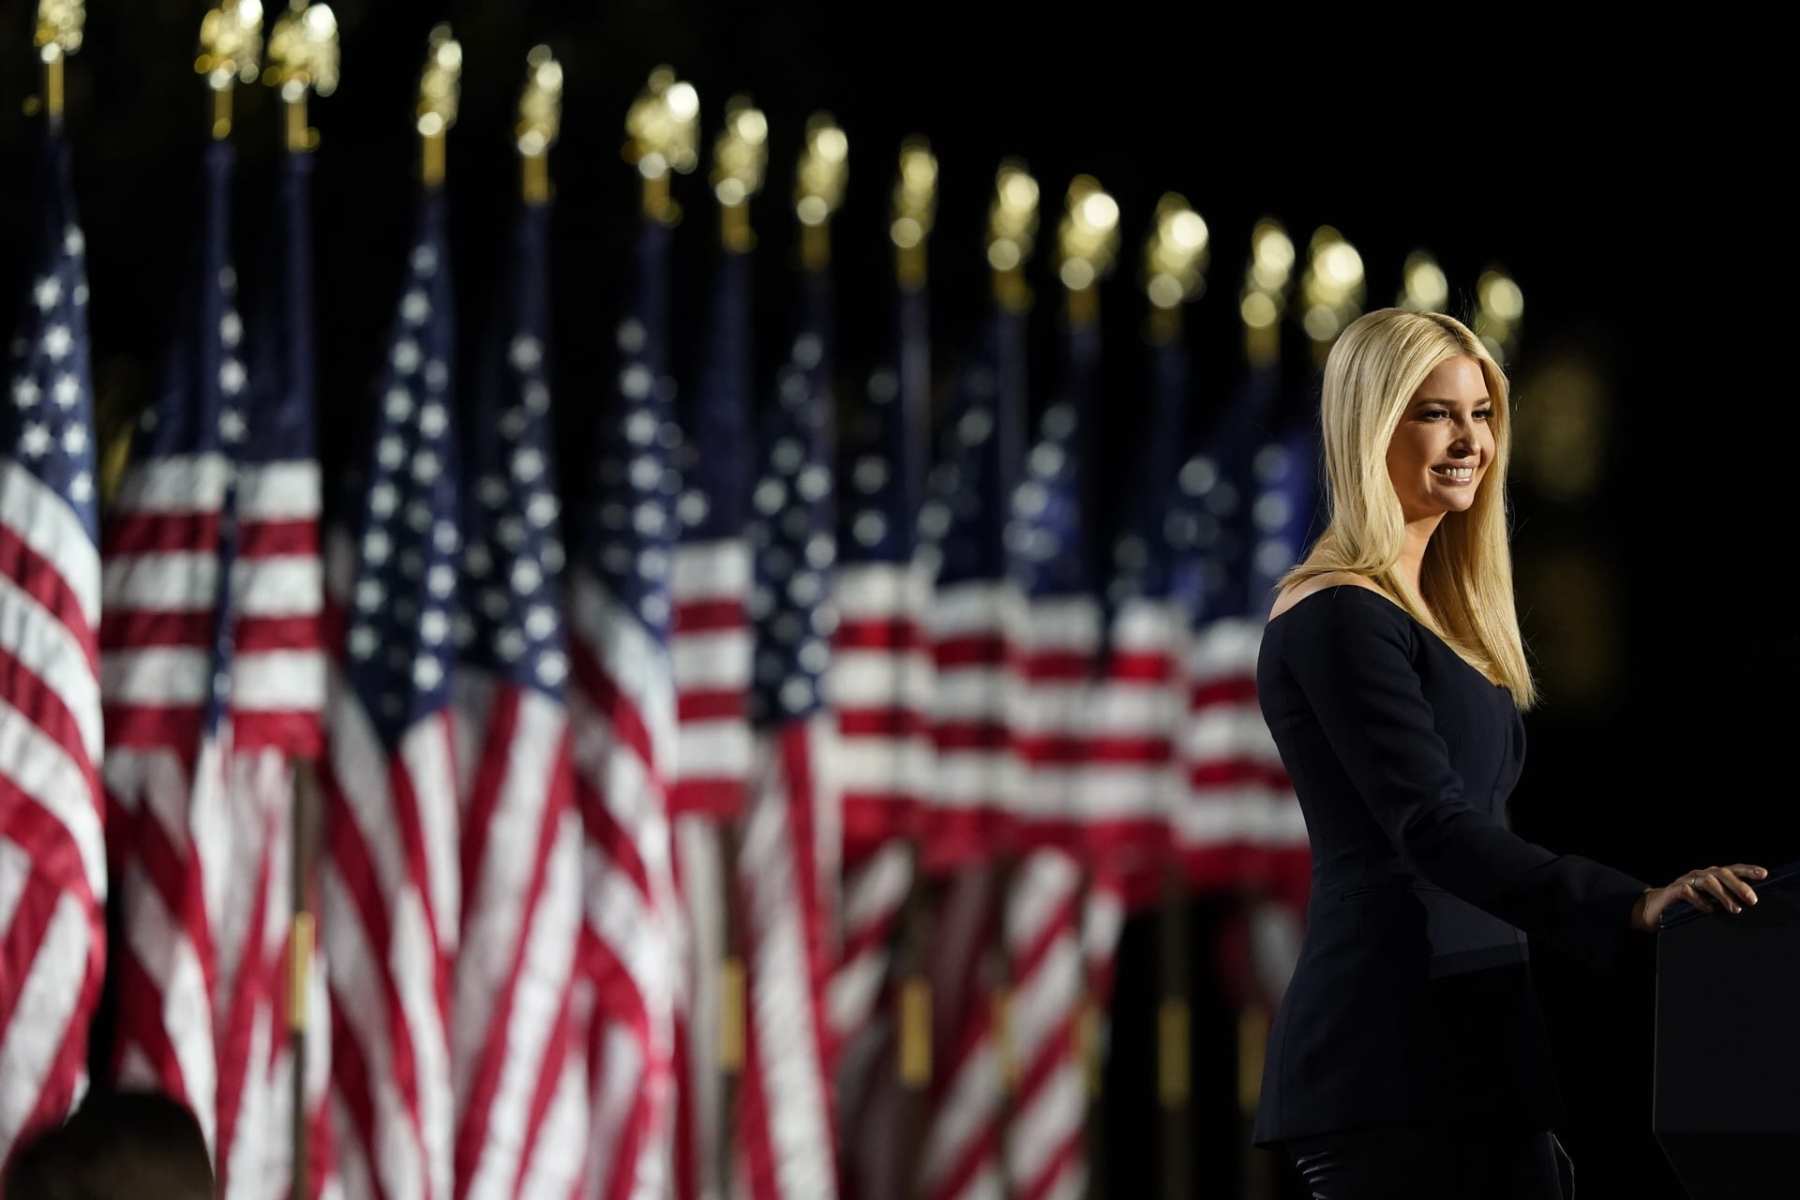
1266 282
1502 305
540 120
303 58
819 179
58 36
1331 289
1175 258
662 133
1087 242
230 53
1423 285
915 210
740 163
1012 233
440 89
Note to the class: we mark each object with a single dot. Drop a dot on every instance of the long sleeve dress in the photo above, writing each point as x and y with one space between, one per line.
1412 998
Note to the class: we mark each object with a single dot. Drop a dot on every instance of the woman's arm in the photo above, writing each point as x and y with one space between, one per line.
1352 660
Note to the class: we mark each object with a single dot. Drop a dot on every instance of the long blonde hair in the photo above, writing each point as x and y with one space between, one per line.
1465 580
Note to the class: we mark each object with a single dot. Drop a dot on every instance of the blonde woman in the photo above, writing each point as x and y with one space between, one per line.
1409 1054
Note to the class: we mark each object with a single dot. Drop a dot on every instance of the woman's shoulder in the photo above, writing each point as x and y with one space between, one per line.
1361 589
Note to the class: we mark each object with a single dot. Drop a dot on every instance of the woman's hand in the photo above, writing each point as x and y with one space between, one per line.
1706 889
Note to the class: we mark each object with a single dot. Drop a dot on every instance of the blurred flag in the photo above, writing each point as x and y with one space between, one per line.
710 650
1059 733
623 710
517 1060
391 883
1242 508
788 856
973 628
52 856
277 694
166 672
880 677
1140 697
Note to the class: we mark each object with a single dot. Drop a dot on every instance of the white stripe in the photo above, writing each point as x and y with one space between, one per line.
426 752
45 522
713 749
48 649
782 1003
176 483
1061 626
851 994
158 675
879 886
878 764
15 865
971 1104
284 585
699 849
713 661
879 679
972 778
880 591
977 609
717 569
41 1015
975 694
1149 625
165 581
278 681
1044 1123
40 768
1225 647
1090 711
279 491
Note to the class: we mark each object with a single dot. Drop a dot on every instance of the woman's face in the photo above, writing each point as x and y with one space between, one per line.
1444 443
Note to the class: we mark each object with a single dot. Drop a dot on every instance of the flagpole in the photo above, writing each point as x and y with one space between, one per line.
914 211
1087 242
57 36
1175 257
740 160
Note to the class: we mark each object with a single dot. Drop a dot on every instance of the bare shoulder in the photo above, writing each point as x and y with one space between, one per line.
1319 583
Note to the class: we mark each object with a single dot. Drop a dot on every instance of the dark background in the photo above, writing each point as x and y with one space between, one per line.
1629 201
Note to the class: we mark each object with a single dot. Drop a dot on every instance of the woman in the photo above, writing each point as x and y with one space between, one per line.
1409 1052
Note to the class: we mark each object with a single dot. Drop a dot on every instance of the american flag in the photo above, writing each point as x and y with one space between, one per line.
880 676
52 854
167 677
974 624
391 886
1050 538
517 1060
788 856
624 714
710 648
1243 504
278 685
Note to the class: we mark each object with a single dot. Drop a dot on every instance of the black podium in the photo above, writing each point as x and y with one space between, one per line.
1727 1083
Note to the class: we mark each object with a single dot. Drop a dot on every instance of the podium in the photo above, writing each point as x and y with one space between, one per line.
1726 1106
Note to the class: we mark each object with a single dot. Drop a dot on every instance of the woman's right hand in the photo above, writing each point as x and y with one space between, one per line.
1707 889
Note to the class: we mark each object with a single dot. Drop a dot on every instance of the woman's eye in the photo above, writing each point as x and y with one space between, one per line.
1484 413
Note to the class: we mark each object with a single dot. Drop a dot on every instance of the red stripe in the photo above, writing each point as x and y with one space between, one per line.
991 734
484 797
139 1019
297 733
709 616
549 1079
38 578
139 628
137 534
973 650
721 704
1141 666
57 1096
250 995
260 635
896 634
614 707
1236 690
794 745
891 722
1227 774
278 539
718 798
350 1076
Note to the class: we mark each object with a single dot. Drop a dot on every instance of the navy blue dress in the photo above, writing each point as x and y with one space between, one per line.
1412 998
